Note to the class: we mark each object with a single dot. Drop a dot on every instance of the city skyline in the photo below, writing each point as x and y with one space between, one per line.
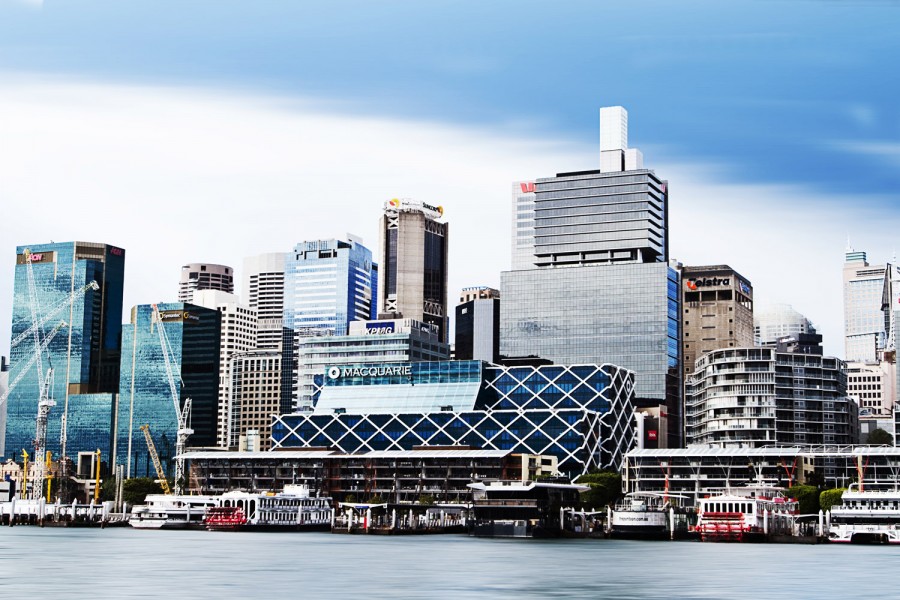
770 172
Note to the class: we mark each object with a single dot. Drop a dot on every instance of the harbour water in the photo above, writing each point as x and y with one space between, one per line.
127 563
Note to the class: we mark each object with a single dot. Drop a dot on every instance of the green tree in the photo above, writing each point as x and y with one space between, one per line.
807 496
605 488
829 498
135 490
426 500
376 499
879 437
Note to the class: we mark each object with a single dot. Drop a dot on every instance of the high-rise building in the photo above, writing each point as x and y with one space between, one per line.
84 355
328 285
596 285
873 386
754 397
382 341
478 324
717 309
263 291
238 335
776 321
864 333
192 334
255 397
204 276
413 258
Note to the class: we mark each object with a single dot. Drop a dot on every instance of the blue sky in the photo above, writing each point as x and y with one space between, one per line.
773 118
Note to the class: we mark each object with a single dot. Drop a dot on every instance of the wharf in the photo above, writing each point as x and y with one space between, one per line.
43 514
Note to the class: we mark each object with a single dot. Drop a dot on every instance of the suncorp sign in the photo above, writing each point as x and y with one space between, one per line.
338 372
431 210
694 284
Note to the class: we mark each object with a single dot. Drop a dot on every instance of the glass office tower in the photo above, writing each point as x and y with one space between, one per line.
596 285
144 393
84 355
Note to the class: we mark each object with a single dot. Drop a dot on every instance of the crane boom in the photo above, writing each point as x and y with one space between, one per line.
53 312
182 412
31 360
155 457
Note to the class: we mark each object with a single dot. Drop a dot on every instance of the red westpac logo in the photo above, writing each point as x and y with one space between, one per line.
527 187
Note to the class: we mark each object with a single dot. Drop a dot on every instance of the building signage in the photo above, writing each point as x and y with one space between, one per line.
116 251
652 434
527 187
37 257
167 316
379 327
407 204
693 284
745 287
337 372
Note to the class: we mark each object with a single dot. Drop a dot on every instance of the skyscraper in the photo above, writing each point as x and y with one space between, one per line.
717 309
413 258
192 334
864 333
84 354
238 336
328 284
596 286
263 291
478 324
204 276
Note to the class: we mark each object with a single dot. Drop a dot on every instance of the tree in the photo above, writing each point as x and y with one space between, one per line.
807 496
829 498
426 500
879 437
606 488
135 490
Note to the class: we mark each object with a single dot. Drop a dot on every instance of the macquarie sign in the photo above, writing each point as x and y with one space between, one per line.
373 371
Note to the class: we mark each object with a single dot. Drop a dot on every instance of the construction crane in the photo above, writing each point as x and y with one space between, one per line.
45 403
53 312
32 359
155 457
182 412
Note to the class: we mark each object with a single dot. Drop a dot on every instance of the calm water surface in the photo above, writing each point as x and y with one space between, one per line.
126 563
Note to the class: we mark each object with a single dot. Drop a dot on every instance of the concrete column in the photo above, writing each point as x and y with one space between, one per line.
394 519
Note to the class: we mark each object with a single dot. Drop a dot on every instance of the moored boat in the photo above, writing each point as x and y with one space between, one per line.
169 511
649 515
293 509
866 516
745 514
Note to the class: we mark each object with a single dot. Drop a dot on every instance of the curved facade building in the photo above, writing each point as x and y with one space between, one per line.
204 276
581 414
754 397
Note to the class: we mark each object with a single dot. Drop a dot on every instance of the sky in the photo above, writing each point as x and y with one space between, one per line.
211 131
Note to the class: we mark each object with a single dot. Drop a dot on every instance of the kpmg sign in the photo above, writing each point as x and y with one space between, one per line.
380 327
338 372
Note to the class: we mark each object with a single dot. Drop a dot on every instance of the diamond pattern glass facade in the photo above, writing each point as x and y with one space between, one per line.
581 414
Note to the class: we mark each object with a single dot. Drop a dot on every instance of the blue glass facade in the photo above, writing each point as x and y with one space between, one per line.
581 414
327 284
84 355
144 394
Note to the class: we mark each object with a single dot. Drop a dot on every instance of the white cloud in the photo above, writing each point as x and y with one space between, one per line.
177 175
888 152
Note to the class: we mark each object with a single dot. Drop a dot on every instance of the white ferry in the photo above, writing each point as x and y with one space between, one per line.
746 514
162 511
866 516
645 515
291 509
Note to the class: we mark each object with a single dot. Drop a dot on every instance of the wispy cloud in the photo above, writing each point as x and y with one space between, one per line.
888 152
176 175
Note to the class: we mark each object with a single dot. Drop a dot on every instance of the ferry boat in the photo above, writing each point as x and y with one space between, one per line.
745 514
521 509
290 510
166 511
866 516
648 515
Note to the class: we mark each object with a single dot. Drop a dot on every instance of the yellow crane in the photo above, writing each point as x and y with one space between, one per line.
156 464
